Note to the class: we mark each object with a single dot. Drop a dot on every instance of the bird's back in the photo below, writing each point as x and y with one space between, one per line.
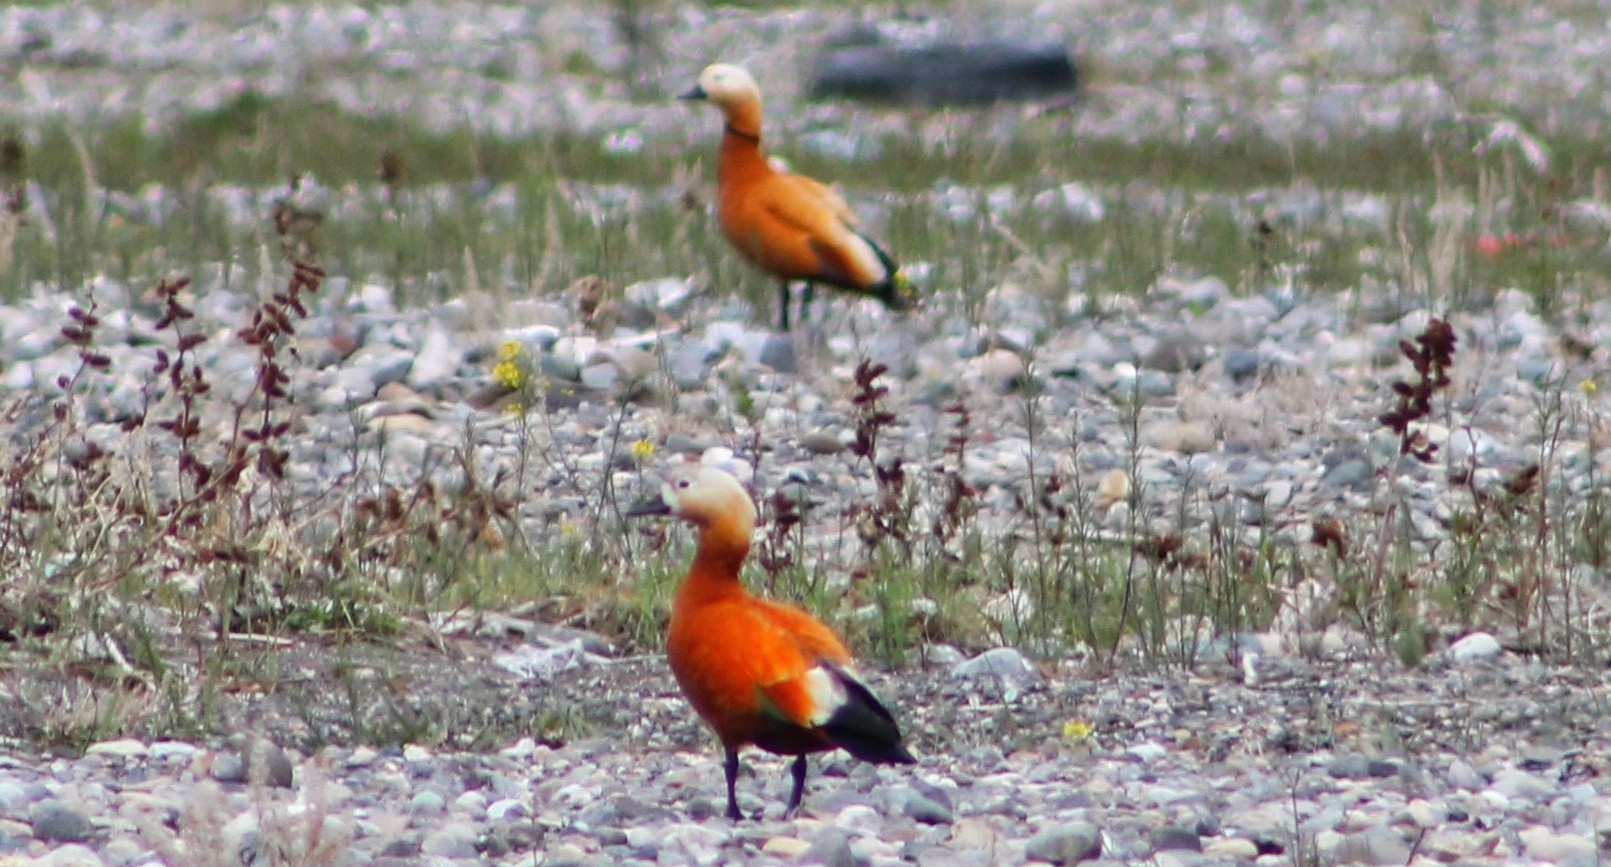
798 229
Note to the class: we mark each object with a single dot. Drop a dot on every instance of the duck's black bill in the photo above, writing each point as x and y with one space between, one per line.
654 504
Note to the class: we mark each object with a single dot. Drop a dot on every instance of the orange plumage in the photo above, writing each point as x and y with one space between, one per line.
788 224
758 672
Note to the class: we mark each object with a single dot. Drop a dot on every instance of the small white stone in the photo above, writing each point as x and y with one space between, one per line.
859 819
1231 848
520 749
1004 662
790 848
1149 751
1474 647
472 802
1423 813
71 855
361 756
1556 848
162 750
123 748
542 663
942 655
436 362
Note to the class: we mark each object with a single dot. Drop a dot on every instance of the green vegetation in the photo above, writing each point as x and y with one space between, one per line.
434 228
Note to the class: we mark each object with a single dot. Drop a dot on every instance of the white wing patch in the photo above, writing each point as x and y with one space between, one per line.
862 252
826 691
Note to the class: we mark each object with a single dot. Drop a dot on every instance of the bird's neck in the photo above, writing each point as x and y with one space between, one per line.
741 143
723 545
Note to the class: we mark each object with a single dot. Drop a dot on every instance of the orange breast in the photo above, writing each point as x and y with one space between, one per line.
741 662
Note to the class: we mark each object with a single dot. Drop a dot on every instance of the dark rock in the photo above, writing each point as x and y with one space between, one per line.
945 73
58 822
1537 758
1240 363
1381 768
1176 351
277 769
1176 839
1349 766
406 846
778 353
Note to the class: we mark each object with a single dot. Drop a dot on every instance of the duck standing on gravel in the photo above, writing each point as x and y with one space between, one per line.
759 672
790 225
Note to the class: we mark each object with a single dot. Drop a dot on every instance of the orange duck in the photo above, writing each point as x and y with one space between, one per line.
790 225
758 672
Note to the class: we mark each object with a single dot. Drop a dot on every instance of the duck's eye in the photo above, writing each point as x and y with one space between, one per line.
684 484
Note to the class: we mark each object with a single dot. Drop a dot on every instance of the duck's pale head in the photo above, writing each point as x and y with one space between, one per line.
701 495
725 85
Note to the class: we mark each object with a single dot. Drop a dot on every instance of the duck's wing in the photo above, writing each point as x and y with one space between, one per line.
810 232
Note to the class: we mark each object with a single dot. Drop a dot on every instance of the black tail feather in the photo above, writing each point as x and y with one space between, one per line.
893 290
864 727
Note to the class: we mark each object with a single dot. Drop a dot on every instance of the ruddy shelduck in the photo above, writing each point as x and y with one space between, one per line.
759 672
791 226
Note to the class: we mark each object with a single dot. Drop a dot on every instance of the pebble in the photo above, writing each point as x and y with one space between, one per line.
822 442
859 819
785 847
1505 749
428 802
1176 350
435 362
1065 844
59 822
126 748
830 848
72 855
455 840
237 767
1174 838
1474 648
1231 848
926 810
1544 844
1001 662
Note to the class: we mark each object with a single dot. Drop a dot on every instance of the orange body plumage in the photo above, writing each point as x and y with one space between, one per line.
758 672
793 227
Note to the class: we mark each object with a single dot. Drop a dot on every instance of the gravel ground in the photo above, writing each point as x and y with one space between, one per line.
1489 760
1483 755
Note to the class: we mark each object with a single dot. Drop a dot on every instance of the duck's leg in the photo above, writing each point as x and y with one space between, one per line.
805 300
731 767
799 771
783 305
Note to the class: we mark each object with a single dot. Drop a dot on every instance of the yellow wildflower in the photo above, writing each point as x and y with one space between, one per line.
1078 730
1588 387
509 373
642 451
510 350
